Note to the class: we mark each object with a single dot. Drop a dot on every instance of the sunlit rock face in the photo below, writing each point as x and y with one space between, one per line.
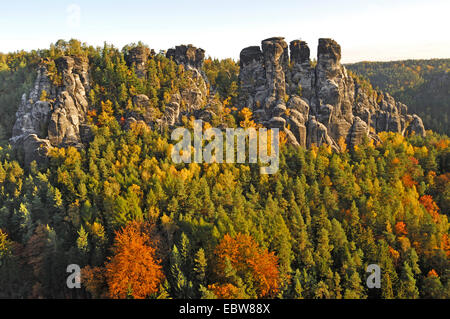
311 103
194 96
53 114
192 99
315 104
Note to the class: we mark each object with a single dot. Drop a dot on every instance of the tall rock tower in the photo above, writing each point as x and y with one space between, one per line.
318 103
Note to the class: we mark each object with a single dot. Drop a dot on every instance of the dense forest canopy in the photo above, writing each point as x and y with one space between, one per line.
421 84
212 230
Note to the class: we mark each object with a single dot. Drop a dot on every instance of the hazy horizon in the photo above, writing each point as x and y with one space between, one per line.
369 31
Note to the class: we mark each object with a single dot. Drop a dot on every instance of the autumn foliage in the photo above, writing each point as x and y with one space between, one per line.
311 228
94 281
133 270
246 115
431 207
225 291
400 228
408 181
246 257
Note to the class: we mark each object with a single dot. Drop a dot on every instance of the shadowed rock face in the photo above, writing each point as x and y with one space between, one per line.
57 120
187 55
318 104
329 49
311 104
138 57
251 54
194 96
299 52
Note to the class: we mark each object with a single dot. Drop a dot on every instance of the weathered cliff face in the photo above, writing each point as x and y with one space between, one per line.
318 104
138 58
71 105
57 119
191 98
187 55
194 95
312 104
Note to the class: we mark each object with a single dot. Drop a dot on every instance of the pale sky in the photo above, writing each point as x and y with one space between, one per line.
366 30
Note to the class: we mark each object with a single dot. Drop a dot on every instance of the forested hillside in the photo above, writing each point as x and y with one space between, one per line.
17 74
423 85
141 226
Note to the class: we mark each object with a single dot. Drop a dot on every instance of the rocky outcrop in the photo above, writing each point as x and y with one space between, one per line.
70 103
32 113
416 126
315 104
35 149
188 56
191 99
138 57
194 95
312 104
53 114
359 130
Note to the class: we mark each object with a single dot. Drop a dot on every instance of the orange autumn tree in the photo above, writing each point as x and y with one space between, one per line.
247 259
431 207
133 270
408 181
400 228
94 281
225 291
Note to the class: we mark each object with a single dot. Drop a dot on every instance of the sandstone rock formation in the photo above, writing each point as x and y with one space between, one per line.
194 96
71 105
187 55
189 100
57 119
315 104
312 104
138 57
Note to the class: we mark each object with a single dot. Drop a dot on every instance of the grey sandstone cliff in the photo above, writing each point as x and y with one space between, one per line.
138 57
58 119
315 104
193 97
187 55
318 104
